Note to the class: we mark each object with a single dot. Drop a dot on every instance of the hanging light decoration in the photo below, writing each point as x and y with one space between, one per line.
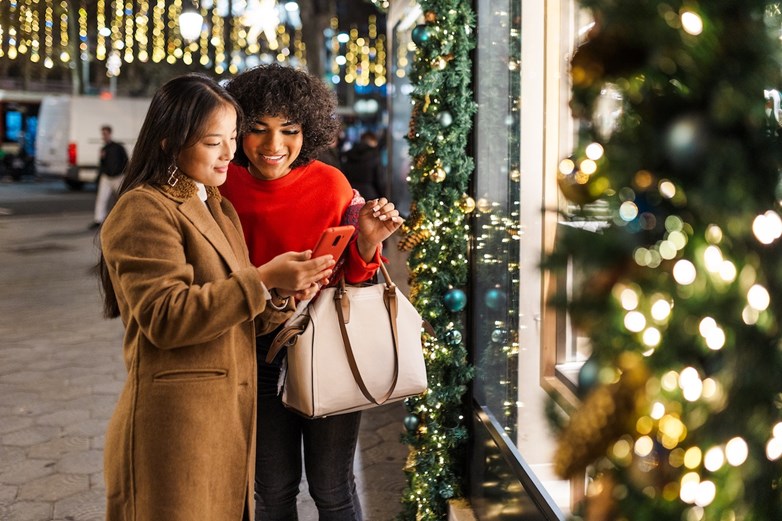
216 34
356 57
190 22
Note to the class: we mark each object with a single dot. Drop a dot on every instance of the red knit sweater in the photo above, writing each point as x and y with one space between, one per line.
289 213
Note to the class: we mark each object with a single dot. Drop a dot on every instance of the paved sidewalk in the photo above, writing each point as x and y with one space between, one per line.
61 371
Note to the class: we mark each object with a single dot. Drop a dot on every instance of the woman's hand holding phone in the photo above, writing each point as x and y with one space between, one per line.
294 272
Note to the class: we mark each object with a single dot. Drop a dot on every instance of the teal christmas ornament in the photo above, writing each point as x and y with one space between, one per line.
498 336
588 376
453 337
421 33
455 300
445 119
495 299
411 422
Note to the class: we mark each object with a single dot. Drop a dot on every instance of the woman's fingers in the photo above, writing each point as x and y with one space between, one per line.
383 210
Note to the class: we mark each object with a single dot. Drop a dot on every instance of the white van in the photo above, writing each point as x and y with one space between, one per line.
68 139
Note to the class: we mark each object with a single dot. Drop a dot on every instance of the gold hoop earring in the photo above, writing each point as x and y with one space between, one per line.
173 179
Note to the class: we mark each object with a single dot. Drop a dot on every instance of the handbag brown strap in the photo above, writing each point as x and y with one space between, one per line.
341 301
287 336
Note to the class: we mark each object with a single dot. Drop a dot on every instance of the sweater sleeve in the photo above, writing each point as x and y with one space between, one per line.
356 268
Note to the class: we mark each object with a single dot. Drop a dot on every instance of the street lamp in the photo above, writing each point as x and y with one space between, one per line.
190 22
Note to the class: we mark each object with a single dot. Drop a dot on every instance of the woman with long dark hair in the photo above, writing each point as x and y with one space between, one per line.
180 444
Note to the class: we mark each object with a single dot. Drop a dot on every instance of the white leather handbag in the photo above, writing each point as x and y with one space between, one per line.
353 348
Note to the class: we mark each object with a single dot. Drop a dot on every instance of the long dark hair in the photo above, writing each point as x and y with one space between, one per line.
278 90
176 120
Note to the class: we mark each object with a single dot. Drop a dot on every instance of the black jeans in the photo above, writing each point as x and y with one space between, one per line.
329 450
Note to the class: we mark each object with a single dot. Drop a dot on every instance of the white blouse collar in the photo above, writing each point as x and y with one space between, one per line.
201 191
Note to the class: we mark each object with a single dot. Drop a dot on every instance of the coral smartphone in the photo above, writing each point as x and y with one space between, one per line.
333 241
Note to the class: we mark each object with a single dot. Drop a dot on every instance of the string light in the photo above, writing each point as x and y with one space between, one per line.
144 31
48 42
355 57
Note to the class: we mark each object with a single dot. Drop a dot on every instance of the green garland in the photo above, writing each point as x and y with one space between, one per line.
681 415
437 231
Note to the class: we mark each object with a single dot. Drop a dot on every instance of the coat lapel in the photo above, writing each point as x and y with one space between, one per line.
197 212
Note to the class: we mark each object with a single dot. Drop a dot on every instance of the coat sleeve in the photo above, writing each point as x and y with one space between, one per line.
153 274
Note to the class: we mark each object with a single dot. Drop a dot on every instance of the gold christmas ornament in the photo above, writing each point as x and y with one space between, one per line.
466 204
515 175
483 205
581 188
437 175
430 16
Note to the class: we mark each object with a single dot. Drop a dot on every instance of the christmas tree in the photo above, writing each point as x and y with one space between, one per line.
681 411
436 234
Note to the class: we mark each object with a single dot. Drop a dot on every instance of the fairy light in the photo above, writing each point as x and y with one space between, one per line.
767 227
594 151
652 337
12 43
83 43
48 31
172 29
705 493
380 62
693 457
712 333
684 272
117 15
300 48
658 410
218 42
142 31
100 47
688 490
129 39
691 23
26 26
157 49
635 321
690 384
758 297
714 459
736 451
63 29
203 46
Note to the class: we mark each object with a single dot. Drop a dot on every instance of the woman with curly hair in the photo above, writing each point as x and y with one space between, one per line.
285 198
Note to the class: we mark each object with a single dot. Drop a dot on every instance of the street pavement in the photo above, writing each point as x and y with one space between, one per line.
61 371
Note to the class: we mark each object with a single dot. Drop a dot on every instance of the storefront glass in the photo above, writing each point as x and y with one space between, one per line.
495 278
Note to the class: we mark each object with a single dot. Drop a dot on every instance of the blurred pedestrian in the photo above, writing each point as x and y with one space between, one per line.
330 155
113 159
180 445
363 169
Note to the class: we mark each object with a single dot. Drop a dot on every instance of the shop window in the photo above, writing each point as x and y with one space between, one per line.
495 254
524 350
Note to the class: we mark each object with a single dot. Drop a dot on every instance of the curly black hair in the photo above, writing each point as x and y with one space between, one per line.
280 91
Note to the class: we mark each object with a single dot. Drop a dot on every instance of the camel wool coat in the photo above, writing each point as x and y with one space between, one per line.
181 442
